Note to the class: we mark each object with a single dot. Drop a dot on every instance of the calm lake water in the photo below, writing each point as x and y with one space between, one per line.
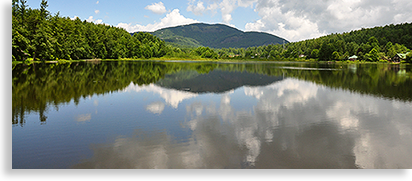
135 114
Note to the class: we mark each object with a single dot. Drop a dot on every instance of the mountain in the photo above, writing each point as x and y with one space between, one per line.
214 36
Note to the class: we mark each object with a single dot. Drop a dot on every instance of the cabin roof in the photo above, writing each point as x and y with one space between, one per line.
402 55
353 56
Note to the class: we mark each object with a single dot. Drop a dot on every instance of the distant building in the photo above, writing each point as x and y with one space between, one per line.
399 56
302 56
353 58
231 56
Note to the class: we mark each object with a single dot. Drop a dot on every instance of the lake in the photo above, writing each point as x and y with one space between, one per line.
148 114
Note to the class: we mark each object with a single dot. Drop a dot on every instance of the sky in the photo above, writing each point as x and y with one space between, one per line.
294 20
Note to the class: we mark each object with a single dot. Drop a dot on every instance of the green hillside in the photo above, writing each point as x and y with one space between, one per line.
384 43
214 36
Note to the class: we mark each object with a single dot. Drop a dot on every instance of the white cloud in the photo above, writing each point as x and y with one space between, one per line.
197 9
83 117
97 2
75 17
158 8
200 9
246 3
171 97
340 128
227 7
91 19
284 24
293 21
156 107
255 26
298 20
174 18
212 7
97 11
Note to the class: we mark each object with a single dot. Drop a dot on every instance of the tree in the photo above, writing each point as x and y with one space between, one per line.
351 48
20 42
388 46
43 6
22 9
15 7
274 54
373 41
391 52
37 34
409 57
248 53
335 55
315 53
325 51
373 55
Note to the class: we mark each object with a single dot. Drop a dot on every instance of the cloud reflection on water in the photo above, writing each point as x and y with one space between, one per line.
295 124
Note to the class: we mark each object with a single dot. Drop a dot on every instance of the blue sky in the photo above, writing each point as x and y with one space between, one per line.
294 20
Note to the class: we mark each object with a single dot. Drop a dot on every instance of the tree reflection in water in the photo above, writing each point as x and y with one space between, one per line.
252 115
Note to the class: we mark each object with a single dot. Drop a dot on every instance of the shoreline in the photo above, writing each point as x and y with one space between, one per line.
210 60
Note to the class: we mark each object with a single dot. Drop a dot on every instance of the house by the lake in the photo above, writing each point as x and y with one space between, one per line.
400 56
353 58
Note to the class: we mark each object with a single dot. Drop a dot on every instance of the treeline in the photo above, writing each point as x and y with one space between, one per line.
373 44
38 35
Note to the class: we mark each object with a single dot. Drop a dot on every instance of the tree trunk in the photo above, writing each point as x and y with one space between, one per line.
34 56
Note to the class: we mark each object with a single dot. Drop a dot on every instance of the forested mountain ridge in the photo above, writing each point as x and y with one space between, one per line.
214 36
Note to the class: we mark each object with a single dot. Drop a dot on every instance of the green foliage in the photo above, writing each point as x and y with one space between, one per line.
374 44
206 52
335 55
315 53
373 55
409 57
37 34
41 36
214 36
325 52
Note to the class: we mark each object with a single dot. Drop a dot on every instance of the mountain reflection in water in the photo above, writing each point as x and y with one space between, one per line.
213 118
216 81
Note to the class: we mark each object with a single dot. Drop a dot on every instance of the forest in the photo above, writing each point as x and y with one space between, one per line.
37 35
373 44
214 36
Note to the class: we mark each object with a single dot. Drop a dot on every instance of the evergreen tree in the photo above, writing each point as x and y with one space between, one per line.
315 53
409 57
37 34
335 55
373 55
325 51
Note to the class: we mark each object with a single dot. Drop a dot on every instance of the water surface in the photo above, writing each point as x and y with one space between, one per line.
211 115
